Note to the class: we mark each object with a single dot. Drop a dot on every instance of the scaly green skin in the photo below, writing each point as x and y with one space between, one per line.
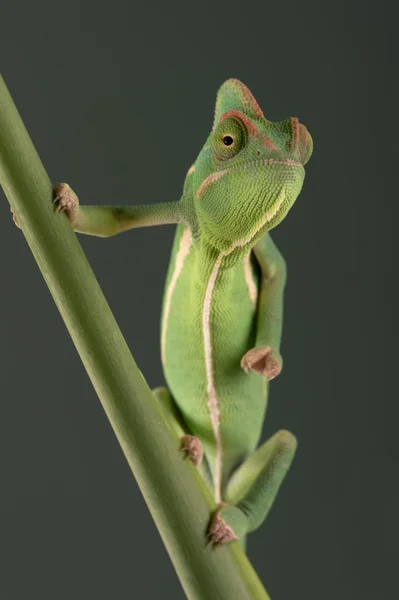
222 310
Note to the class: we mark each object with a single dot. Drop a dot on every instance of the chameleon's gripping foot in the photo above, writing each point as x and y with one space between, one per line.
261 361
14 218
219 531
193 447
67 201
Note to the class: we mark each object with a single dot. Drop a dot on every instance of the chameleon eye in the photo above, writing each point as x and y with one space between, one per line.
229 139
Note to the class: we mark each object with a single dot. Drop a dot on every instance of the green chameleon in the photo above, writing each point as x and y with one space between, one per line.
223 303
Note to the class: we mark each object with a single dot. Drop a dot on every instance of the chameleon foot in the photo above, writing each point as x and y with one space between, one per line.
261 361
67 201
14 218
193 447
220 532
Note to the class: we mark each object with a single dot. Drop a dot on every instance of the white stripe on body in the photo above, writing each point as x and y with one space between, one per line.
186 241
213 399
252 289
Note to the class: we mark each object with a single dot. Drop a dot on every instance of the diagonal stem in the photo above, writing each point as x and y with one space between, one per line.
178 499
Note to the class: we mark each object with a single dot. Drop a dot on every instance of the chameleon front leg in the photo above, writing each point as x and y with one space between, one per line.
105 221
252 489
265 357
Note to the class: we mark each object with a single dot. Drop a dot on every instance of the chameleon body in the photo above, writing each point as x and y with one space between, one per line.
222 309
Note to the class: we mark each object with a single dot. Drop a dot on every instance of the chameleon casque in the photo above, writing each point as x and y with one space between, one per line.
223 302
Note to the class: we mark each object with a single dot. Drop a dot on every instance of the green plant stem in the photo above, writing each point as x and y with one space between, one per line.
178 499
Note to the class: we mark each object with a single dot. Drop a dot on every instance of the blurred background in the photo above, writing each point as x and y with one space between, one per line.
118 99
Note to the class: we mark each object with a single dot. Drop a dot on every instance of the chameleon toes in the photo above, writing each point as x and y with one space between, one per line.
261 361
220 532
193 447
14 218
66 200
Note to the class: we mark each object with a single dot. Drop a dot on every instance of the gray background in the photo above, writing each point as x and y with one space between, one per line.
118 98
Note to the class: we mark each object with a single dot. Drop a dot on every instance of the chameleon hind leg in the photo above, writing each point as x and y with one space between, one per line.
189 443
252 489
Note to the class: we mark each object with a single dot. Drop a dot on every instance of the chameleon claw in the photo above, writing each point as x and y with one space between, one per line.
67 201
261 361
14 218
219 531
193 447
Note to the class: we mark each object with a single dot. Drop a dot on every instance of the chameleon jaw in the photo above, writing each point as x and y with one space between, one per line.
244 243
267 218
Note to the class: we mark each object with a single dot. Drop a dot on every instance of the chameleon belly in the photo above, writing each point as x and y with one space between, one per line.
209 322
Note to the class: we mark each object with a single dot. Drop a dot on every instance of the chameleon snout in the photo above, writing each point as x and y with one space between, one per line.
305 144
301 140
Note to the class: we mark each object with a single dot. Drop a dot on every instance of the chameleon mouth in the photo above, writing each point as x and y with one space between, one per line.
213 177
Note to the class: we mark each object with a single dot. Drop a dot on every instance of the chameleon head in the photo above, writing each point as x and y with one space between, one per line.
250 171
